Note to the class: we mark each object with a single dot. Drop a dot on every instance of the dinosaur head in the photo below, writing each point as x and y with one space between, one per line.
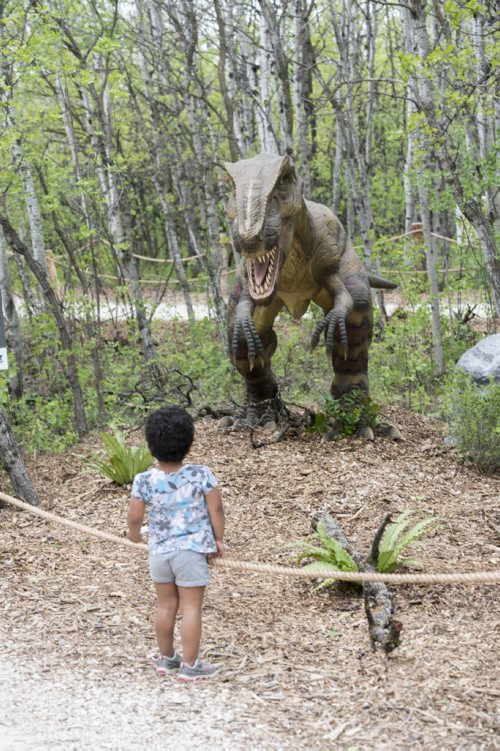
267 197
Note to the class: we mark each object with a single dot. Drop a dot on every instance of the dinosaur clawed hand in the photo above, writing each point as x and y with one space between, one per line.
335 317
245 327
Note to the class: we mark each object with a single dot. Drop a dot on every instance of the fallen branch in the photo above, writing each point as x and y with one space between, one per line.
379 604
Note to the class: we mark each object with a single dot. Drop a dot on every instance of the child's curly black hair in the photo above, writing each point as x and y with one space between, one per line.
169 433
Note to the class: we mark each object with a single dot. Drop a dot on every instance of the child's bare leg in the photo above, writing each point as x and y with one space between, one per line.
190 602
168 605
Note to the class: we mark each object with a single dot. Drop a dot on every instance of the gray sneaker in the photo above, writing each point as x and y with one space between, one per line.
166 665
198 670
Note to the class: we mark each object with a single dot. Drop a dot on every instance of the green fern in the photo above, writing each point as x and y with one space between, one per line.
328 555
122 462
397 537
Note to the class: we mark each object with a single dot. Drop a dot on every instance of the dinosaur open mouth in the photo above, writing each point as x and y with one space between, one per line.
262 272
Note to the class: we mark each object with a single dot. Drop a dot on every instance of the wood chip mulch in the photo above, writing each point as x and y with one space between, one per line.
302 654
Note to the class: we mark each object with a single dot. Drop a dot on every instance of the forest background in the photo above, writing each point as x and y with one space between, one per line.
117 117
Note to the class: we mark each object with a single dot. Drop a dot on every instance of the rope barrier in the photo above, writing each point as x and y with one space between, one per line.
485 577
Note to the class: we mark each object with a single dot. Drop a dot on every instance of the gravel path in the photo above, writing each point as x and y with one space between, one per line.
46 711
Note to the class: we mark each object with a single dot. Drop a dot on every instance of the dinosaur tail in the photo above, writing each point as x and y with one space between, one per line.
378 282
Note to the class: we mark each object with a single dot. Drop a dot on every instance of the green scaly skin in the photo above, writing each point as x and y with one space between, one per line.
303 257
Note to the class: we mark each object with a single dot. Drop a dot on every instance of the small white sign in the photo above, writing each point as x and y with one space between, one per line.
4 363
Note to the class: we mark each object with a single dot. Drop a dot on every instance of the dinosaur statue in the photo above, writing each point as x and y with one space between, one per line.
293 251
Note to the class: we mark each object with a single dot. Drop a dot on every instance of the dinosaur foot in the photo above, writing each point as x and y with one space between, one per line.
264 415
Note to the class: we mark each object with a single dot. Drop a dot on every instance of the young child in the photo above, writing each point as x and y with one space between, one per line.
186 523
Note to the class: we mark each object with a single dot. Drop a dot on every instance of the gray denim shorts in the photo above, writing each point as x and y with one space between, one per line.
185 568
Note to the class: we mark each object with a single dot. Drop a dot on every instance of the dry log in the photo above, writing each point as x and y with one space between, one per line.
379 603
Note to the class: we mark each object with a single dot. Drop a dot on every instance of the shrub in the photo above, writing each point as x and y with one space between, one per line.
472 412
123 462
344 417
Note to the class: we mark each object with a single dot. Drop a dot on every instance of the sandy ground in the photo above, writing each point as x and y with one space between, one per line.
76 636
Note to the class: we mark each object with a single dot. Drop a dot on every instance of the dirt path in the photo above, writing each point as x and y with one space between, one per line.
76 614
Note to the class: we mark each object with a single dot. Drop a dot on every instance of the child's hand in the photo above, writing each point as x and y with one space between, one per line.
134 538
220 549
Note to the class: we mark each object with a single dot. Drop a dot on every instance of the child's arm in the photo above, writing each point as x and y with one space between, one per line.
135 517
216 513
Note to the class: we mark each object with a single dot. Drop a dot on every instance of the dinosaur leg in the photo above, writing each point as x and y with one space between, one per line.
261 385
351 366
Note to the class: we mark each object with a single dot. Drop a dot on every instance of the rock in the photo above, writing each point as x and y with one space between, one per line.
482 361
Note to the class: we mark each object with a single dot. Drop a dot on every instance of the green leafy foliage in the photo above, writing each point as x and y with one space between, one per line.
342 418
122 462
473 413
326 553
397 537
401 362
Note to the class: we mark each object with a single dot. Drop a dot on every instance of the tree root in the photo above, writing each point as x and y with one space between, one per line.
379 604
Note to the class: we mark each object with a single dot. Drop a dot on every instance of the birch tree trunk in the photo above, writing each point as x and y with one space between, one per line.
234 149
193 98
93 324
423 92
267 136
438 146
34 214
13 328
20 159
285 107
120 240
155 35
303 65
410 202
345 109
67 351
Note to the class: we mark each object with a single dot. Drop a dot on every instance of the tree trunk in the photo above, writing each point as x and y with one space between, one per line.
234 150
437 146
285 107
13 327
13 463
93 327
430 257
267 135
423 92
67 352
304 62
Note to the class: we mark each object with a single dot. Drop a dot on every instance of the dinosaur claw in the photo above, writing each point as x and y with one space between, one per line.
252 364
